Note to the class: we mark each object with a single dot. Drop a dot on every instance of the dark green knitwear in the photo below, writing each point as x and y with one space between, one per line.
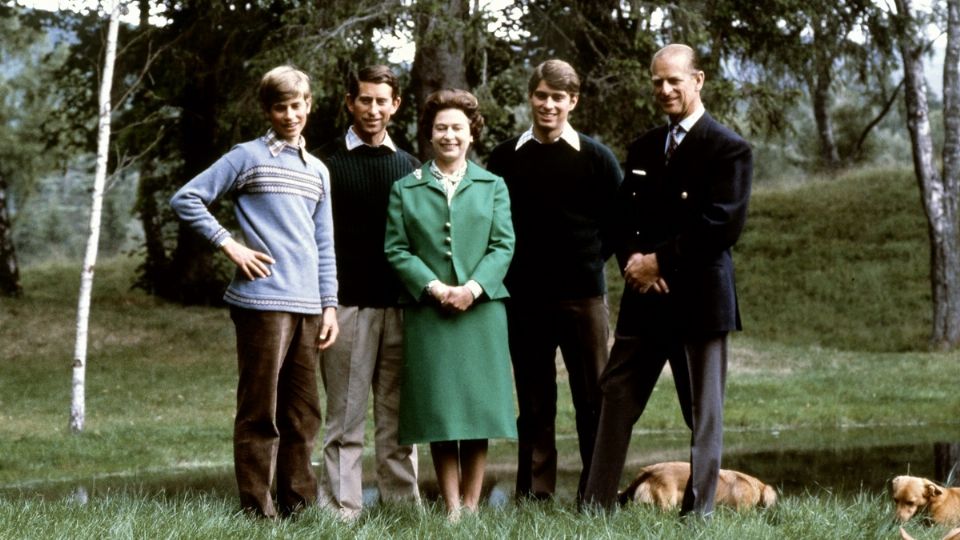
360 182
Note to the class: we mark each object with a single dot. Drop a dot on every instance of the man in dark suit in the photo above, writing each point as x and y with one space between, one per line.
682 206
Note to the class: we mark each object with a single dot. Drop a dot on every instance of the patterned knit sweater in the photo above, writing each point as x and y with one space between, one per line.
282 205
360 189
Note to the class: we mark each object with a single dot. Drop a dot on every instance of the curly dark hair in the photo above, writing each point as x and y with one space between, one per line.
452 98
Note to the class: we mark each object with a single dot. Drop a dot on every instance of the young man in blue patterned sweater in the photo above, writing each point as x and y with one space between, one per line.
283 297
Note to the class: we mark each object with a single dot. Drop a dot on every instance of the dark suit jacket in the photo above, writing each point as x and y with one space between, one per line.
690 213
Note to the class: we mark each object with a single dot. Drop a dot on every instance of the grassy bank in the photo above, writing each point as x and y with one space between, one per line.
836 309
839 263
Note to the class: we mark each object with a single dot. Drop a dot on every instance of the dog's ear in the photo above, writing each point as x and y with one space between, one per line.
931 490
899 483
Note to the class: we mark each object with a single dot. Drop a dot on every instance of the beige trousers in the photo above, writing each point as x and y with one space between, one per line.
367 354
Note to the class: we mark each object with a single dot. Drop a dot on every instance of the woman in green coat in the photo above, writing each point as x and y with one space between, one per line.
450 239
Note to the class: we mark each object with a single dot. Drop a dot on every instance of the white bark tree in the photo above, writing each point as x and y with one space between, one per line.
78 391
940 192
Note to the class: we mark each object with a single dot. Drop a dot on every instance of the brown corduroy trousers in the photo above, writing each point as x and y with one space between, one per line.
278 409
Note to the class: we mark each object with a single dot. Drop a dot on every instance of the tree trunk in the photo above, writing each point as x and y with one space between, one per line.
939 195
439 60
820 95
78 402
154 265
9 269
191 277
946 463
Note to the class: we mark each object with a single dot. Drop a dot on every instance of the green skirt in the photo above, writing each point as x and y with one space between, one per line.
457 382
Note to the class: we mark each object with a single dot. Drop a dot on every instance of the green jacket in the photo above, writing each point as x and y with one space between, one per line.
472 238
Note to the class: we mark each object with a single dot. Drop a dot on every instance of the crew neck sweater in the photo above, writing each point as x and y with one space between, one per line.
562 203
282 206
360 182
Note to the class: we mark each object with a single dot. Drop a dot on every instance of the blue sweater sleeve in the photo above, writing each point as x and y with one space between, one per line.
192 201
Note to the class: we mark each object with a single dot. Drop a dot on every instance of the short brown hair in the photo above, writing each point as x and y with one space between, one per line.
282 83
373 74
557 74
451 98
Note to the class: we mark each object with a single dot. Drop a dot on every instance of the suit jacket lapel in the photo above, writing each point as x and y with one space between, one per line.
693 139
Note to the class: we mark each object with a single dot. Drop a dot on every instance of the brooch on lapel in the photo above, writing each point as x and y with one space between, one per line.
418 174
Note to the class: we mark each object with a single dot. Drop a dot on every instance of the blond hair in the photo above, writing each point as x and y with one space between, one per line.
282 83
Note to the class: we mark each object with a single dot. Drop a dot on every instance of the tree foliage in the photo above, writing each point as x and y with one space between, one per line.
806 80
28 58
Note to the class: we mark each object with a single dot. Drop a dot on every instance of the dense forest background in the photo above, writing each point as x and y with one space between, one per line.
817 86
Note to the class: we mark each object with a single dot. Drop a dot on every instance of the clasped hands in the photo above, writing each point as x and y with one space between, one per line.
452 298
642 273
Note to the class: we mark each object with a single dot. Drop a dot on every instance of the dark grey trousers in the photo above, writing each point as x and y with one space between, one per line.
699 369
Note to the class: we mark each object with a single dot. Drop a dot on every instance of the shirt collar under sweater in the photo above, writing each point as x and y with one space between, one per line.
568 134
354 141
276 144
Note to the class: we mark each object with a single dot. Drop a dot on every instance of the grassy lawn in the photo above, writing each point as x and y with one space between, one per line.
836 315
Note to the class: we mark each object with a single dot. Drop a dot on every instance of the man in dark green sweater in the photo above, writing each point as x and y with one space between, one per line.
363 167
562 185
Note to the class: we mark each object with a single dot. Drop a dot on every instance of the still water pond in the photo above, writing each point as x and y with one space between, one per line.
840 461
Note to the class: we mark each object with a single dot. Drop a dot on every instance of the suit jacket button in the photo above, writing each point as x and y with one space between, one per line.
448 240
449 255
683 195
447 225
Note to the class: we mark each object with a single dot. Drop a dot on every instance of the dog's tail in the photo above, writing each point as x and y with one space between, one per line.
628 494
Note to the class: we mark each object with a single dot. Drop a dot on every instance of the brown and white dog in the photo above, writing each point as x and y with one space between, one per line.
663 484
912 494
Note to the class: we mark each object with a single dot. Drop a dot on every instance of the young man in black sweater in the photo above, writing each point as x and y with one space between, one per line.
363 167
562 185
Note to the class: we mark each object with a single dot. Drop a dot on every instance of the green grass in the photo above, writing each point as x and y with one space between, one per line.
835 300
841 263
198 515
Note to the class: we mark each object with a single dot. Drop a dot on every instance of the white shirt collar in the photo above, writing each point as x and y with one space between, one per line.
568 134
353 140
691 119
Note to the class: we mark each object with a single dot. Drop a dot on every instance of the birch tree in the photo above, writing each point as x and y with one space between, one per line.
940 193
78 401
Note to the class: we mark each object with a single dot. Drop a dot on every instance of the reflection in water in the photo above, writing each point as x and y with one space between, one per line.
844 471
841 462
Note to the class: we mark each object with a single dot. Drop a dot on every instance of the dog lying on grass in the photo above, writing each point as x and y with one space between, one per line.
663 484
953 534
912 494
